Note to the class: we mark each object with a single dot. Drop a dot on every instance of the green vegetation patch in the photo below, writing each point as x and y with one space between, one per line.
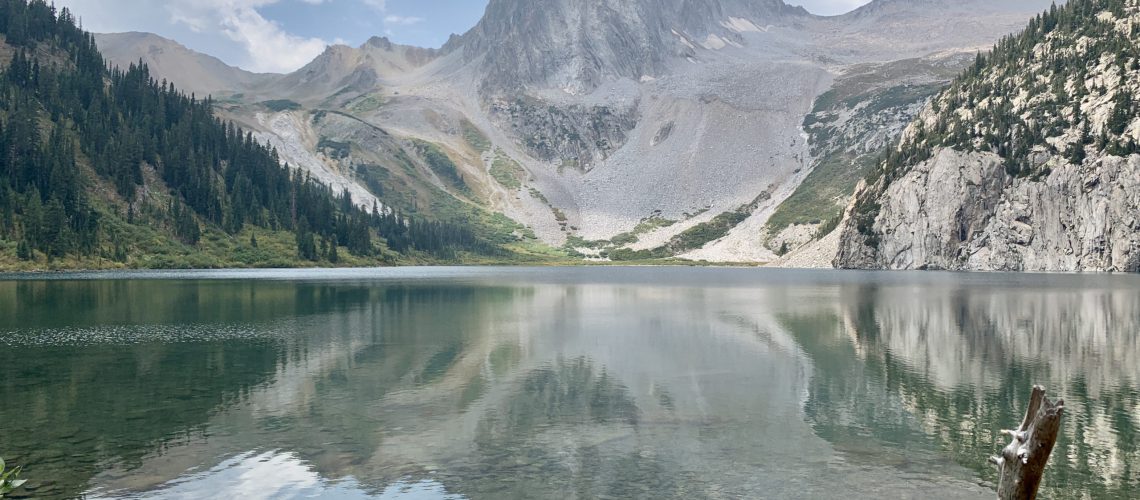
335 149
536 194
474 136
575 241
441 164
824 193
702 234
375 178
646 226
9 479
627 255
900 96
690 239
611 245
828 226
367 103
279 105
507 171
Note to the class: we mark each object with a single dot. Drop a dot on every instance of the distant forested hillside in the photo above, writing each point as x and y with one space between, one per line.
106 167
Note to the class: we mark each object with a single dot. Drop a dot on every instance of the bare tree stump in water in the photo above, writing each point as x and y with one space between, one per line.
1022 463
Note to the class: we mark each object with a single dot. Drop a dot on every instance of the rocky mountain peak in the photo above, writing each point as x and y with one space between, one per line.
193 72
575 44
380 42
355 69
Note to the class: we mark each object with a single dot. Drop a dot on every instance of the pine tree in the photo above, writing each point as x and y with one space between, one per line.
120 254
24 250
334 255
306 245
1121 113
1077 153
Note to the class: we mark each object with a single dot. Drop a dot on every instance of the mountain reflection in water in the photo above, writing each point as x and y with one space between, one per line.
561 383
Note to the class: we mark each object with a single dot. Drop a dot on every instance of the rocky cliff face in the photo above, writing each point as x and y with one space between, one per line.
961 211
1028 162
570 135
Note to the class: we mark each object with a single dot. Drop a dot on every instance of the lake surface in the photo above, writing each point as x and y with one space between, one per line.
561 383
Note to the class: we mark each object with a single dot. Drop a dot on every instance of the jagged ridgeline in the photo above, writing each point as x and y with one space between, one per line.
1038 137
104 167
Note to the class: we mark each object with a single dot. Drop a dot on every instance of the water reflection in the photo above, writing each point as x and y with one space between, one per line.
562 383
268 475
953 364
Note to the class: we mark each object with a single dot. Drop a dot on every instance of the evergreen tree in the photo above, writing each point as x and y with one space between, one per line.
1122 113
306 245
1077 154
24 250
334 255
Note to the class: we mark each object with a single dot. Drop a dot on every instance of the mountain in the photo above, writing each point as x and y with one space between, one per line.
106 168
726 130
894 28
195 73
1027 162
342 70
578 45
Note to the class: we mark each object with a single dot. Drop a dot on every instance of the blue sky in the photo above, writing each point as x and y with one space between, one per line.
283 35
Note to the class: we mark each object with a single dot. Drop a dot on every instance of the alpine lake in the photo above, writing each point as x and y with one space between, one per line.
562 383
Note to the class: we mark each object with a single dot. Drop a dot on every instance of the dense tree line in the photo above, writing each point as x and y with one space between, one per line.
1033 92
61 107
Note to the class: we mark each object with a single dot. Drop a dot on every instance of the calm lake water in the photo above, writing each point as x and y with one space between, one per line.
561 383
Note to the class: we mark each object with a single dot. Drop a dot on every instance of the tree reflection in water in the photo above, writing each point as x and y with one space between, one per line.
953 366
566 383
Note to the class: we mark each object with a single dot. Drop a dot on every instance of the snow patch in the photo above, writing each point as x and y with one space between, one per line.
684 40
740 25
714 42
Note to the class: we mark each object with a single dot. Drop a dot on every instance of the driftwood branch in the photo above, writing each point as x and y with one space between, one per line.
1022 463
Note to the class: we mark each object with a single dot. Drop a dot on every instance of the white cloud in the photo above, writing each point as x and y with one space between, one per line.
232 29
268 47
402 21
